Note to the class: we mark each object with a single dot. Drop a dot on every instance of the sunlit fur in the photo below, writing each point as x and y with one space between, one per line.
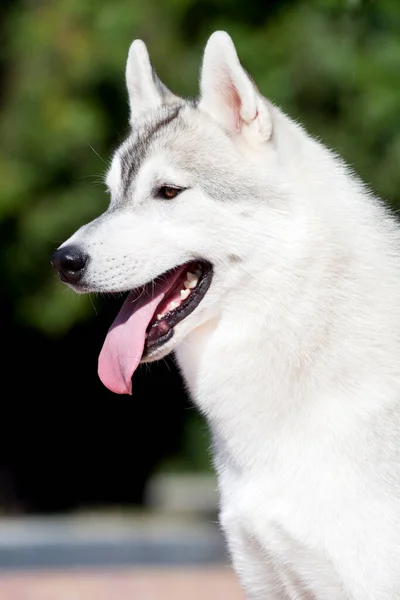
293 355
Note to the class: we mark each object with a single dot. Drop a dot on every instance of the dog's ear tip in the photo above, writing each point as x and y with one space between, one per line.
220 40
220 36
138 60
137 47
145 90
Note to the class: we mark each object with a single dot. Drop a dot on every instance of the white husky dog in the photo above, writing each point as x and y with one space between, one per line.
256 255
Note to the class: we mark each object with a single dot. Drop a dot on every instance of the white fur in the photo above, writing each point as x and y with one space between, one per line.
227 93
145 90
293 355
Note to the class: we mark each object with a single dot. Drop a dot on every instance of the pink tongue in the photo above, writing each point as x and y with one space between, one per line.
123 346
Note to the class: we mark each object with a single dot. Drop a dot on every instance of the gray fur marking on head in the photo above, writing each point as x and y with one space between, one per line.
137 150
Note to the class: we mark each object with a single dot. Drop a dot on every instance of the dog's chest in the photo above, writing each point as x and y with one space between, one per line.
271 551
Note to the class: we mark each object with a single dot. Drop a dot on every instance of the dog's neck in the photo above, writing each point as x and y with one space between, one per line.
300 340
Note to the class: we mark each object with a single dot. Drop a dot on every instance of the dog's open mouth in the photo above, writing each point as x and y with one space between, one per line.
147 319
190 285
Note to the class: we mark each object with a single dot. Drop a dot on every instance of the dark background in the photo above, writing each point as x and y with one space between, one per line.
66 442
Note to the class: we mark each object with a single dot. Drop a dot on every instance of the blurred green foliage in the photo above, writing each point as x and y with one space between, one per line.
332 64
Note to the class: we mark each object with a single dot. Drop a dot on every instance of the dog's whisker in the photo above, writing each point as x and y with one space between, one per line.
92 303
97 154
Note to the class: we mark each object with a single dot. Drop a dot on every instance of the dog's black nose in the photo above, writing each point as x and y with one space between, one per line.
70 263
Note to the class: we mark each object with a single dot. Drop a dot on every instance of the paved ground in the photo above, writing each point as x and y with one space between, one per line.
134 584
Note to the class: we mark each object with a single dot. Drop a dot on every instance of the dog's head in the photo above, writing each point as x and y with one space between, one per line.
176 232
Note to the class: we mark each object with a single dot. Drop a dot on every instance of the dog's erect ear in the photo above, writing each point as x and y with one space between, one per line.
145 90
227 92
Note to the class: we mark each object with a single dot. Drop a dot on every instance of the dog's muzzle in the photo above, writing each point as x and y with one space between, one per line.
70 263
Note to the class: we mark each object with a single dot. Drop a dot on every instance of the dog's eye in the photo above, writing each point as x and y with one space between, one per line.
168 192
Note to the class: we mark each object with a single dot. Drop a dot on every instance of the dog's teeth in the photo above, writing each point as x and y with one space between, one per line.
185 294
173 305
159 317
190 284
191 280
